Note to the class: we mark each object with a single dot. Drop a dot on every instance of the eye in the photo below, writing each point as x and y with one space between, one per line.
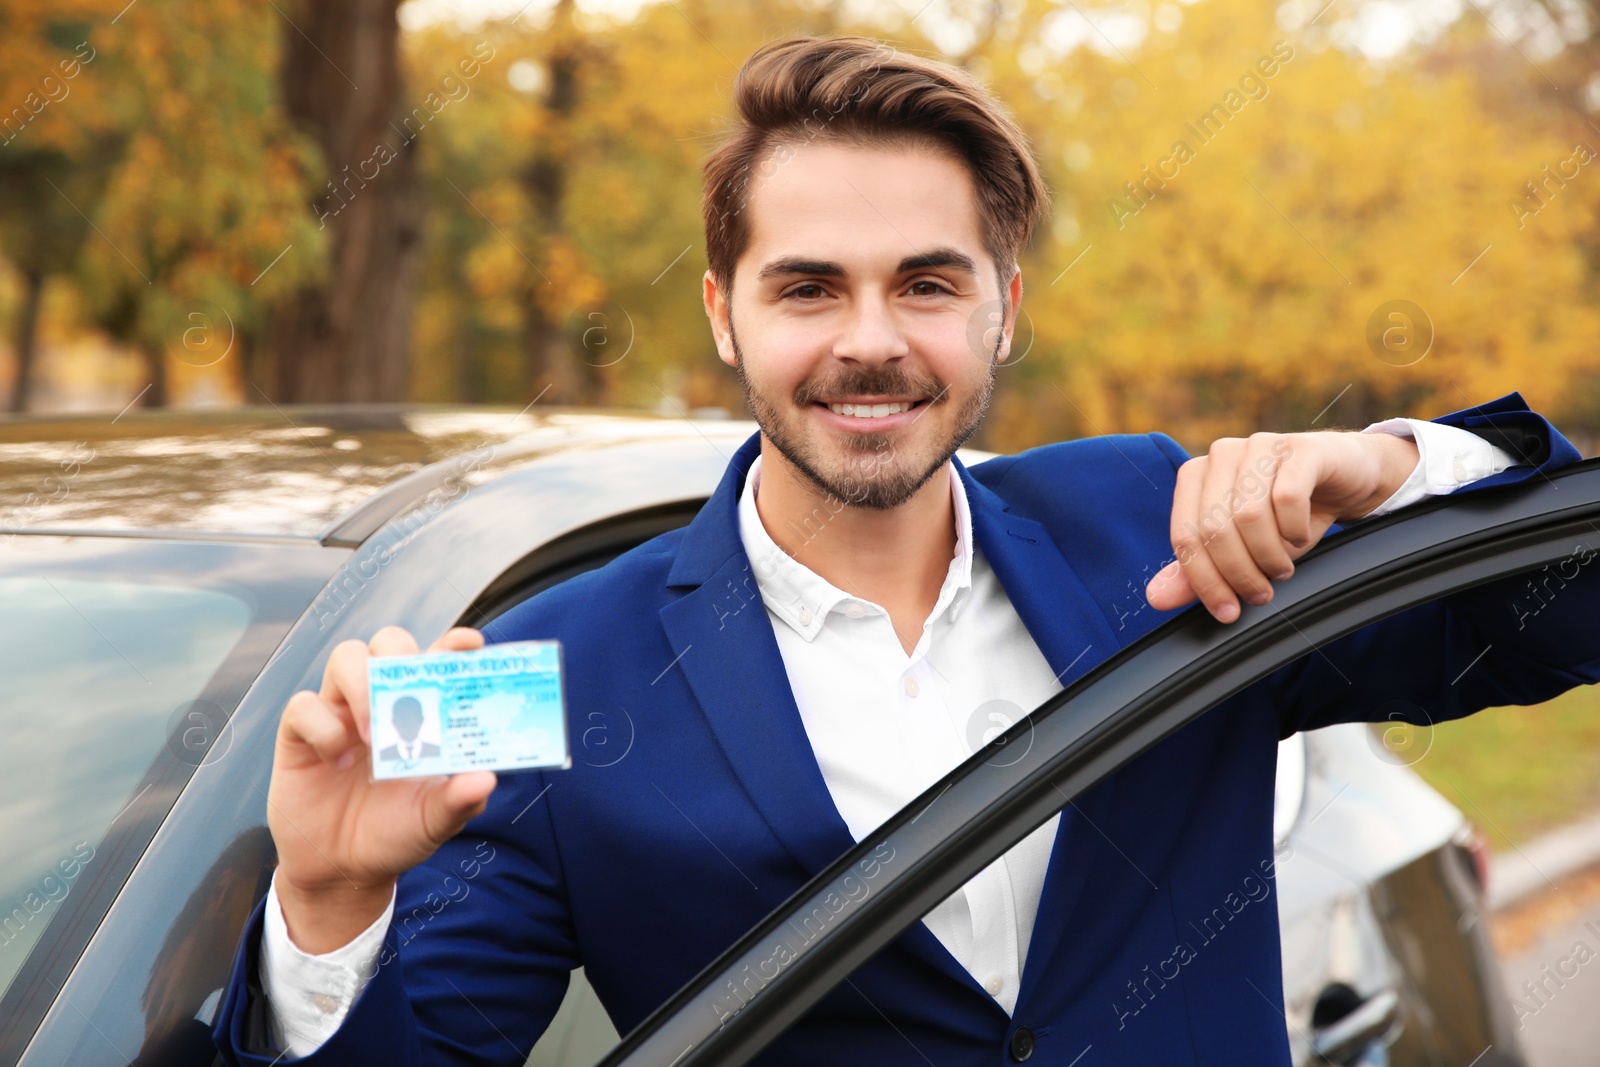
805 293
929 287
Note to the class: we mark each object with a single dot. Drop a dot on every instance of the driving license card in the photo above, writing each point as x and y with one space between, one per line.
498 708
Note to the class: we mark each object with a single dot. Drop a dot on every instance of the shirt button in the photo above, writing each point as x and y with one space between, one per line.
805 616
1460 470
994 984
324 1003
911 686
1021 1044
855 611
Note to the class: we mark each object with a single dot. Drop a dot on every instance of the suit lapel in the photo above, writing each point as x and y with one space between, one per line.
730 658
1053 603
722 637
1074 635
720 632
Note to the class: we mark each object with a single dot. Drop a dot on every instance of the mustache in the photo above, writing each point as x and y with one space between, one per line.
892 381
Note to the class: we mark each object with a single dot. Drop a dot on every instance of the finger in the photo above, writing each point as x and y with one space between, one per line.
308 721
458 639
1291 503
1237 575
389 641
393 641
1256 517
1214 547
1174 585
344 683
1168 588
453 802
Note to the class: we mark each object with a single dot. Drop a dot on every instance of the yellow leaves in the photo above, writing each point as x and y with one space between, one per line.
1231 292
572 285
497 269
1263 256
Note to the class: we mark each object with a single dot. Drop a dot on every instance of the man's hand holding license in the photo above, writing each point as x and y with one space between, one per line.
1245 511
344 839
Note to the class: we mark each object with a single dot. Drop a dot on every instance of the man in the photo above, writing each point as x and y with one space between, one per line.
406 715
824 641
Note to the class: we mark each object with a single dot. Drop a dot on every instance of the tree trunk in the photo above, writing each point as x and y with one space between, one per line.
26 339
155 362
550 358
348 340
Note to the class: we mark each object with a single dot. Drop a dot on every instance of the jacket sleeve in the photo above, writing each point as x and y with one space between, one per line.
1479 648
474 963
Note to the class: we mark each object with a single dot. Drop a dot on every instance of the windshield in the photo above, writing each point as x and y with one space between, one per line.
138 656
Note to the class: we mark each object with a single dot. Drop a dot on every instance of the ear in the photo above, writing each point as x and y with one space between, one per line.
716 304
1013 298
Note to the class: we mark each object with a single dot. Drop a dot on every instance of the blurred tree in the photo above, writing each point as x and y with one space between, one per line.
552 358
147 155
41 234
347 337
1225 239
1558 45
204 217
55 154
1566 34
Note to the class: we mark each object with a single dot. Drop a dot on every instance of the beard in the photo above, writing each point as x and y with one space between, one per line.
875 472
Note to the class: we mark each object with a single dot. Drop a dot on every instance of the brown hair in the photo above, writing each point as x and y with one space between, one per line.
857 90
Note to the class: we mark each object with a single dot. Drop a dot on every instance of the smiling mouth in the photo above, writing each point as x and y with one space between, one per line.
872 411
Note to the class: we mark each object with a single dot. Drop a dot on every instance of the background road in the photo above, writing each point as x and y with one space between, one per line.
1561 1023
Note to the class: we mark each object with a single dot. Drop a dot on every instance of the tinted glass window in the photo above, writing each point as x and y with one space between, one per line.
98 675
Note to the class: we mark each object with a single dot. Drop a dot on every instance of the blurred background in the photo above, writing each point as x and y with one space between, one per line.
223 203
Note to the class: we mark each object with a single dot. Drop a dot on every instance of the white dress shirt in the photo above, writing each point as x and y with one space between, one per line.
884 725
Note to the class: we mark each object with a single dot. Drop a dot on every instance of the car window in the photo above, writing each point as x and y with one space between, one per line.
572 554
99 674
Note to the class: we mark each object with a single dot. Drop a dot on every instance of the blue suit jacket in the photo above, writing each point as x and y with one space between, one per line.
695 805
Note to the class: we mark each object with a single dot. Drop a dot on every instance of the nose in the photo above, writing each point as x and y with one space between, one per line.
871 333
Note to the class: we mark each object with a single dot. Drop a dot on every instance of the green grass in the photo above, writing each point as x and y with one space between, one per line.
1517 772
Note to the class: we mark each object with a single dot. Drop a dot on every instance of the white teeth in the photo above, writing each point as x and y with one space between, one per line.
869 411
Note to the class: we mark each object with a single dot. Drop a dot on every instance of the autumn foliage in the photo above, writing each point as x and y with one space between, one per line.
1257 225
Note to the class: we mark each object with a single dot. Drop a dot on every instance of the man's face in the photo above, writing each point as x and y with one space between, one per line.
865 283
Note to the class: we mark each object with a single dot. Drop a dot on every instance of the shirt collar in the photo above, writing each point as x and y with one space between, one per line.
804 599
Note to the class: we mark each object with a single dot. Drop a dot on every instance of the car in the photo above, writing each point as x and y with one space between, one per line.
169 579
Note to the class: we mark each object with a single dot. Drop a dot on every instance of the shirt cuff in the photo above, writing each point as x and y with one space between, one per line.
1448 458
308 996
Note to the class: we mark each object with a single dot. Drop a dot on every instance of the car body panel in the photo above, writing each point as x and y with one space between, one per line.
1370 865
275 472
1366 814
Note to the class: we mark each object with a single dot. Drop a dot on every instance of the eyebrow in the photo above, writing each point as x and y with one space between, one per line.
822 268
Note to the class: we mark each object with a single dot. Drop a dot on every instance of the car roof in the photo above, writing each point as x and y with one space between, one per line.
329 473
